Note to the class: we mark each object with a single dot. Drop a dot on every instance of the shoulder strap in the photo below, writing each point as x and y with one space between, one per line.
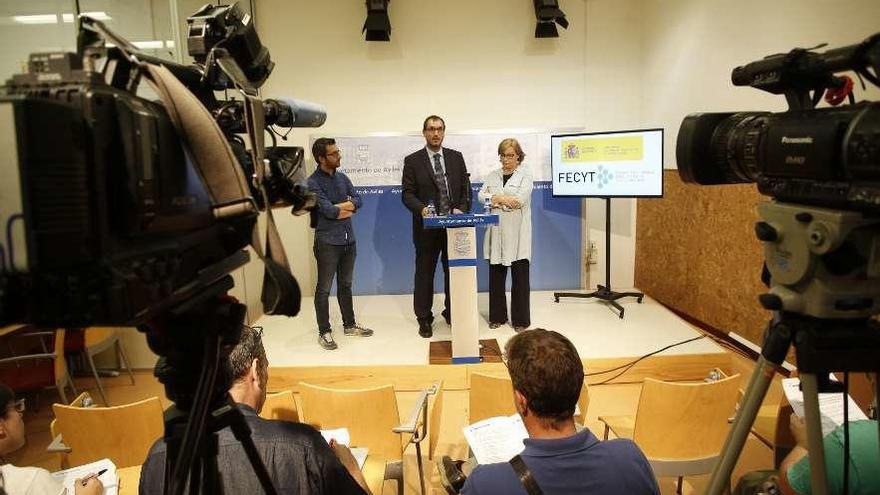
525 476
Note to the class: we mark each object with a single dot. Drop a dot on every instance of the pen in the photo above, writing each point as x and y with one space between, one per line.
85 480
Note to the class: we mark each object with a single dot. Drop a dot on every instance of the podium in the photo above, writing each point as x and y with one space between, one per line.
461 243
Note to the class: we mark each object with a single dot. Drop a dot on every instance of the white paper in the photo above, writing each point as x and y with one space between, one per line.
110 480
830 405
341 435
496 439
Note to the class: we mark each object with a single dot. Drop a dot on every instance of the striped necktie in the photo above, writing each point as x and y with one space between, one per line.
440 179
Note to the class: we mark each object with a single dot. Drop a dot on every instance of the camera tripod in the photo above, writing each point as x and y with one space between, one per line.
192 342
824 289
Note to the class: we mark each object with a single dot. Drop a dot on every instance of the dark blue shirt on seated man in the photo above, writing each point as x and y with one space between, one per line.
547 376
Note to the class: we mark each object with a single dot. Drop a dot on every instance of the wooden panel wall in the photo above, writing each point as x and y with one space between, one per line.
696 252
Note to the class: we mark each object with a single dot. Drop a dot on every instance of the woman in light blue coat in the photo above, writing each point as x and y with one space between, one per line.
509 244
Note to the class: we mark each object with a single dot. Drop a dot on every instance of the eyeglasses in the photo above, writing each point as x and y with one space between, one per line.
335 153
18 405
508 156
435 129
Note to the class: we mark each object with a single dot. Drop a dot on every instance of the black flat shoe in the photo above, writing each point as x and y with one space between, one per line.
425 330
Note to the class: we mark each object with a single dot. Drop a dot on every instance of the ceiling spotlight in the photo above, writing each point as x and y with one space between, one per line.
378 25
549 15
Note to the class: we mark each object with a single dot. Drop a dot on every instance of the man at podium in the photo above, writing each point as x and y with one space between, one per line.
436 176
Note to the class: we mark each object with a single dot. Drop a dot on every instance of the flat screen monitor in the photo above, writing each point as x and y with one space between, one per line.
610 164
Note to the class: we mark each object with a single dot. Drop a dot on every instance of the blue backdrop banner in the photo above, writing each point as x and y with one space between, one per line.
386 256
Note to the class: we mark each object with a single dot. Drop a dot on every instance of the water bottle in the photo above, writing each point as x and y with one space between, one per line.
487 205
432 210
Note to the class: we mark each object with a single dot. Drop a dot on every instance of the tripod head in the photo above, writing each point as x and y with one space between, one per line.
822 262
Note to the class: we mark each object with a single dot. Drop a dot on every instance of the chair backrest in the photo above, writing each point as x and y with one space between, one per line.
369 415
124 434
489 396
78 402
492 395
100 336
280 406
684 420
434 420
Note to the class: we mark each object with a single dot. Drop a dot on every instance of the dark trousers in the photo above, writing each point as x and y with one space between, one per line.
429 244
519 294
338 261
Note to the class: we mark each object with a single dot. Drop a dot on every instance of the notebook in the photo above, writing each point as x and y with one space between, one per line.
110 480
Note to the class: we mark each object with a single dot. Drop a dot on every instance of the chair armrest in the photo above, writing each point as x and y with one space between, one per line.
412 423
419 408
44 333
26 357
58 446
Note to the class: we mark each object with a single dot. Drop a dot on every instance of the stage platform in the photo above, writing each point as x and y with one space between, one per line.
593 327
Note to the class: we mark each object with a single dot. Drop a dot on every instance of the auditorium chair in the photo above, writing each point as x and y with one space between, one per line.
492 395
680 427
123 434
373 421
37 362
92 341
280 406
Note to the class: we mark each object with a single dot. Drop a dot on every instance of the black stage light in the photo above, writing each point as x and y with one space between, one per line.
378 25
549 14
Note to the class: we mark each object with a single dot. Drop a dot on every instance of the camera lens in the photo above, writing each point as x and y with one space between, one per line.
720 148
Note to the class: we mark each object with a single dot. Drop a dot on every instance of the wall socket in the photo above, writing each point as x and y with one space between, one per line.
592 255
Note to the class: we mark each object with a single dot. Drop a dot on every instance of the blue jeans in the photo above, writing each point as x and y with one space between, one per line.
339 261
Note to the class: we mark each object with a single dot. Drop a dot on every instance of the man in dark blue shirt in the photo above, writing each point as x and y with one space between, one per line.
335 247
547 376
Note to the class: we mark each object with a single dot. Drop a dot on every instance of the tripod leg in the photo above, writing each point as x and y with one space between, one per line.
618 307
739 432
818 476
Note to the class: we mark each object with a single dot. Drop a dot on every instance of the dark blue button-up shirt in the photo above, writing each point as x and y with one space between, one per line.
574 465
331 190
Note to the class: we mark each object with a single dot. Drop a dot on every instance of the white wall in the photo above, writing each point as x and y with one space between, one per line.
691 46
475 63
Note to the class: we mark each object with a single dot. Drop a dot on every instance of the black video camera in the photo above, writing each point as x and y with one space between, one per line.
825 157
115 207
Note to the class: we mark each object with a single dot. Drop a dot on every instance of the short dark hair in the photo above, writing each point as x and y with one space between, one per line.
545 368
432 117
249 347
7 397
319 148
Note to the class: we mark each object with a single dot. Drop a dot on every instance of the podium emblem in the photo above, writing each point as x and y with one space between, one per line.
461 242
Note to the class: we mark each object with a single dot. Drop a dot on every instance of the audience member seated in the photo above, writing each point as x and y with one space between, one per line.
864 460
296 456
29 480
547 376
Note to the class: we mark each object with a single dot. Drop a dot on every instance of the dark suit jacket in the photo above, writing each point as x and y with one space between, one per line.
419 186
